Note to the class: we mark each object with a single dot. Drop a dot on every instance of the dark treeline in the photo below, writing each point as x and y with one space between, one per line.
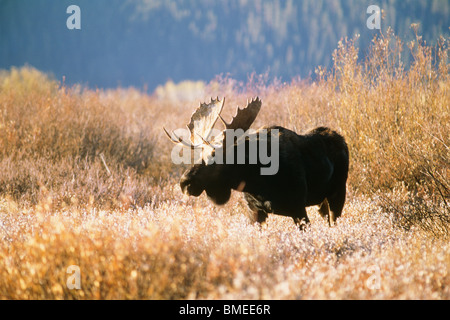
147 42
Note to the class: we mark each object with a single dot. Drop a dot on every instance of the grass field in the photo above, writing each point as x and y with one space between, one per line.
86 181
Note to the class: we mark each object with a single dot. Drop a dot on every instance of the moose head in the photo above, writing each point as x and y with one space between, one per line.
214 174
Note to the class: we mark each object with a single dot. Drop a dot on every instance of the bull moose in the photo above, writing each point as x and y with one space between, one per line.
311 169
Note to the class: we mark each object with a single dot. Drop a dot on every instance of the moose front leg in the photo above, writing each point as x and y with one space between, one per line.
259 208
261 216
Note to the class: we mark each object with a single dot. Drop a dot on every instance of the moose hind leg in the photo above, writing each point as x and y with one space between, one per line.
301 219
336 203
324 210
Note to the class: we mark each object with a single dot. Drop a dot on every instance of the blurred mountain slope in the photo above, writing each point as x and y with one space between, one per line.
147 42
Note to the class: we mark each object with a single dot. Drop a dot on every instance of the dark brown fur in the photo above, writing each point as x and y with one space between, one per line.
313 170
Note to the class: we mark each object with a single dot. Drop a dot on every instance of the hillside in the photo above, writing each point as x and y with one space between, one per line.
144 43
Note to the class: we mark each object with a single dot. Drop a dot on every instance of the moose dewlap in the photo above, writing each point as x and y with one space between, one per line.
278 170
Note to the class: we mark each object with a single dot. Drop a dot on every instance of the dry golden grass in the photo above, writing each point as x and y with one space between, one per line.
86 180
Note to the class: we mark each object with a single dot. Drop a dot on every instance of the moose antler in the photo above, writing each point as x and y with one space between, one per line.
204 118
201 124
244 117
